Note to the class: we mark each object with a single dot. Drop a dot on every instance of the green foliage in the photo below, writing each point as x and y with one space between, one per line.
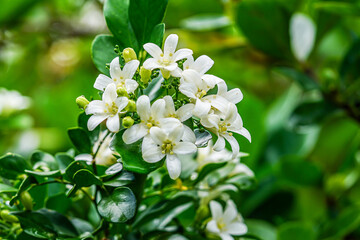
12 165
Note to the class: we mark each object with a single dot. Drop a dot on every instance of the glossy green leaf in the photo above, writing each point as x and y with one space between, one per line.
52 174
85 178
131 155
202 138
207 169
74 167
154 89
296 231
64 160
121 179
119 206
157 34
306 82
116 14
12 165
39 158
102 52
114 169
80 139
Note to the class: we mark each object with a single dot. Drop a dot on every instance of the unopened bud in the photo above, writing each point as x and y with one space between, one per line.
131 107
127 122
26 200
122 92
82 102
129 54
145 75
6 216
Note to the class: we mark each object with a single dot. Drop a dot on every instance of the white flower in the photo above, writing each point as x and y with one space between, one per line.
225 223
165 60
223 124
108 108
183 113
201 65
121 78
234 95
12 101
166 142
149 116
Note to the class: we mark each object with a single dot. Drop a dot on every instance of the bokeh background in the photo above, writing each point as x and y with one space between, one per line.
303 115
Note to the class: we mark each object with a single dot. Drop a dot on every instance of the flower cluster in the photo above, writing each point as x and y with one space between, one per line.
166 124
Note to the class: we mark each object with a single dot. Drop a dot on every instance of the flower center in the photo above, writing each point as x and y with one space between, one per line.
151 122
220 224
223 127
200 93
167 147
111 109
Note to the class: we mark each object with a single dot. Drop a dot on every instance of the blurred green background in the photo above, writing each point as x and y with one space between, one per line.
303 115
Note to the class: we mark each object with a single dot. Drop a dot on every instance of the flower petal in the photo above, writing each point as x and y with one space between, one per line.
201 108
216 210
151 63
109 94
202 64
237 228
230 212
95 107
185 112
169 106
188 63
220 144
234 95
151 152
131 85
211 80
188 89
226 236
173 166
95 120
158 135
233 143
113 123
170 44
176 133
115 70
134 133
121 103
153 50
189 135
143 107
168 124
243 131
184 148
212 227
182 53
158 109
210 121
130 69
101 82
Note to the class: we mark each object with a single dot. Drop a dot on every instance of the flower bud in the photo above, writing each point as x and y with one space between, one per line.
145 75
127 122
129 54
82 102
122 92
131 107
26 200
165 73
5 215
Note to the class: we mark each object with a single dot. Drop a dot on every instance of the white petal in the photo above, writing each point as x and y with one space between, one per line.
230 212
189 62
185 112
233 143
212 226
173 166
202 64
182 53
143 107
184 148
151 64
153 50
226 236
131 85
158 109
243 131
109 94
201 108
115 70
95 106
151 153
188 89
236 228
216 210
234 95
134 133
176 73
191 76
121 103
170 67
218 102
101 82
170 44
210 121
168 124
222 88
189 135
130 69
169 106
220 144
113 123
95 120
176 133
158 135
232 113
211 80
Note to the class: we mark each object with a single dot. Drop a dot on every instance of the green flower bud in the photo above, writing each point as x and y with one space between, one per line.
165 73
127 122
131 107
122 92
129 54
26 200
82 102
145 75
6 216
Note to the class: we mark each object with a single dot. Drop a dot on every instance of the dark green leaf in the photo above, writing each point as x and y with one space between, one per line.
74 167
85 178
40 158
131 155
122 179
305 81
59 203
144 16
154 89
296 231
53 174
12 165
116 14
119 206
64 160
102 52
208 168
349 70
202 138
157 34
80 139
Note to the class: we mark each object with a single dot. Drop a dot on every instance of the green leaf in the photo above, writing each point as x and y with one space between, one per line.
144 15
305 81
59 203
85 178
102 52
157 35
271 37
338 7
119 206
25 184
122 179
261 229
206 22
116 14
296 231
64 160
83 120
80 139
52 174
154 89
6 188
208 168
40 158
74 167
114 169
202 138
131 155
349 70
12 165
